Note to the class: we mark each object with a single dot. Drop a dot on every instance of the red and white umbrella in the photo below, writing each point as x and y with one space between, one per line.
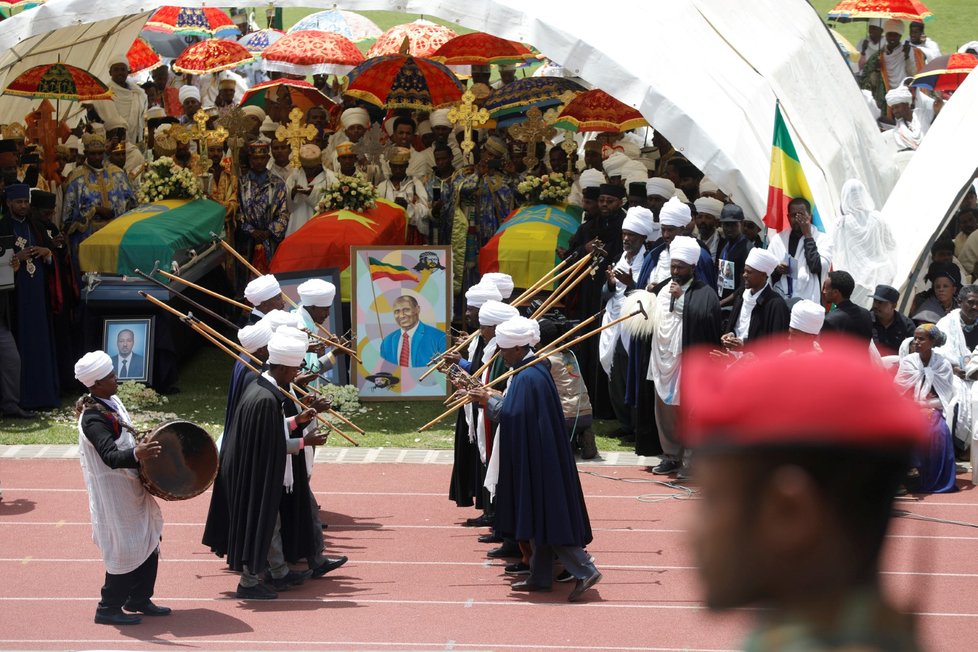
212 55
142 57
205 22
312 52
424 37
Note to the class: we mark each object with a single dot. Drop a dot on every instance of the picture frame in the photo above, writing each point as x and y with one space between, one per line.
290 282
135 334
400 291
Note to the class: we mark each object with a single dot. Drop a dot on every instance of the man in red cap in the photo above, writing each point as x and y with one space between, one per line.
796 501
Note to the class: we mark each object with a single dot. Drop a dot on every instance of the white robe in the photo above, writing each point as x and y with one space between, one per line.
128 103
608 339
957 353
804 284
126 520
413 192
667 346
304 206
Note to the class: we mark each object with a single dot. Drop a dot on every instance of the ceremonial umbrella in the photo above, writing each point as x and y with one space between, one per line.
525 244
424 37
257 41
142 57
479 49
945 73
400 81
595 110
509 103
58 81
848 10
192 21
312 53
345 23
301 94
212 55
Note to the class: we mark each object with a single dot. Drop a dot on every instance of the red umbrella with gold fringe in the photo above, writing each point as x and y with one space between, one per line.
58 81
424 37
212 56
142 56
400 81
595 110
480 49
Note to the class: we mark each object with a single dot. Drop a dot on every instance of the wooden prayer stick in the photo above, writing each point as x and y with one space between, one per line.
187 299
188 317
331 411
228 300
546 279
197 326
580 273
332 341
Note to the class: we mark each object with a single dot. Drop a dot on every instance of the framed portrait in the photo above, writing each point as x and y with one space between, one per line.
401 312
129 342
290 282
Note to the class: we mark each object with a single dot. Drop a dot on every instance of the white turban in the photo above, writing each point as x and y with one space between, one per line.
286 350
115 122
762 260
262 289
660 187
634 172
269 126
189 90
807 317
93 367
73 142
439 118
708 185
119 58
685 249
675 213
294 333
614 164
355 116
279 318
493 313
899 95
254 111
517 331
893 25
503 282
255 336
317 292
639 220
708 205
424 127
591 178
481 292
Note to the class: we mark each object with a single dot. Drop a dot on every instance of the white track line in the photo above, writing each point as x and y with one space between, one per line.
387 494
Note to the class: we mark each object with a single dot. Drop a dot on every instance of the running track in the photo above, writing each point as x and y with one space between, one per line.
416 580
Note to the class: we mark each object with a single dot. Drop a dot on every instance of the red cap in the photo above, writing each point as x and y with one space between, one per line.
772 398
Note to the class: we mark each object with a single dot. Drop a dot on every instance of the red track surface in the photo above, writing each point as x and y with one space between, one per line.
416 580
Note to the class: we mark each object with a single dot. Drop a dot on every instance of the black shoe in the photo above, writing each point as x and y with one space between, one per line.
19 413
116 617
589 449
504 551
666 467
481 521
257 592
331 564
490 538
685 473
290 579
583 585
518 568
564 576
149 609
325 526
533 588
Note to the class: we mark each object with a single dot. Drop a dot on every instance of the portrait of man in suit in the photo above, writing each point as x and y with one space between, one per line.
127 363
414 343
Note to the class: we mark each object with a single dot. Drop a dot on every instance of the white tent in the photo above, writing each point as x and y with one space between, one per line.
704 72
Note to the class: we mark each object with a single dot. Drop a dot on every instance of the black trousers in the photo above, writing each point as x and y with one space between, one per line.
134 588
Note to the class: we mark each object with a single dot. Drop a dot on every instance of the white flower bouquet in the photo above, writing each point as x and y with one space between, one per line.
164 179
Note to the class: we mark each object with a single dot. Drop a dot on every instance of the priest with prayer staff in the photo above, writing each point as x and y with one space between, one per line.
254 339
315 301
126 521
538 496
265 294
759 311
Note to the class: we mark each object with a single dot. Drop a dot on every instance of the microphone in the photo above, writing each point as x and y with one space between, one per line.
672 299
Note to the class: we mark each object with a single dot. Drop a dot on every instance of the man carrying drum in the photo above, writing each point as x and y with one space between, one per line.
126 521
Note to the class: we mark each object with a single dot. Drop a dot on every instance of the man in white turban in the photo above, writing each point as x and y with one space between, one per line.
254 340
534 452
442 130
126 521
306 187
758 311
503 282
354 123
265 294
614 166
896 60
128 101
315 303
805 324
659 190
911 120
190 101
689 315
707 218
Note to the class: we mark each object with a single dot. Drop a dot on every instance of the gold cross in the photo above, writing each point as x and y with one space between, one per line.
296 134
535 129
200 134
468 115
569 145
236 124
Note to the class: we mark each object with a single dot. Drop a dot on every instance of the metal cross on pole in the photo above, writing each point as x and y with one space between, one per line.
296 134
467 114
535 129
199 133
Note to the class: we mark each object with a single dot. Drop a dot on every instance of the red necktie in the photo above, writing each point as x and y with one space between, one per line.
405 360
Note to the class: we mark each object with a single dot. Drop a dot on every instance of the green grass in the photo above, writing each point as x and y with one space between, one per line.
955 22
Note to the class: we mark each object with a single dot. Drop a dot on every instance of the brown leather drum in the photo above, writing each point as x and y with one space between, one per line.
187 464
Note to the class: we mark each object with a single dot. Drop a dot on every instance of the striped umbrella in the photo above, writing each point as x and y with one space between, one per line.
257 41
399 81
212 55
353 26
517 97
58 81
312 53
205 22
424 37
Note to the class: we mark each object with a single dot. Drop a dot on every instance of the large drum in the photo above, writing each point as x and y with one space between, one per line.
187 464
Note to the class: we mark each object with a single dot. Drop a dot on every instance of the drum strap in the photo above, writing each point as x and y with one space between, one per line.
89 401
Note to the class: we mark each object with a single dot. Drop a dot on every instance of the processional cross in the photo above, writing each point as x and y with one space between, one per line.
535 129
296 134
467 114
236 124
200 134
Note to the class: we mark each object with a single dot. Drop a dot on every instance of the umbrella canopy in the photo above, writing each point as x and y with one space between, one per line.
399 81
912 10
212 55
946 73
345 23
142 57
58 81
300 94
13 4
526 243
192 21
519 96
477 49
257 41
595 110
424 37
847 49
169 46
312 53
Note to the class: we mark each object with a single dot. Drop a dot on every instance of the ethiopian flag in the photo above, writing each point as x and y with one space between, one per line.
787 179
379 269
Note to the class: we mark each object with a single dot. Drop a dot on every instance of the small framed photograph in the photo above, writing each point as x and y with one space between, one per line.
129 342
